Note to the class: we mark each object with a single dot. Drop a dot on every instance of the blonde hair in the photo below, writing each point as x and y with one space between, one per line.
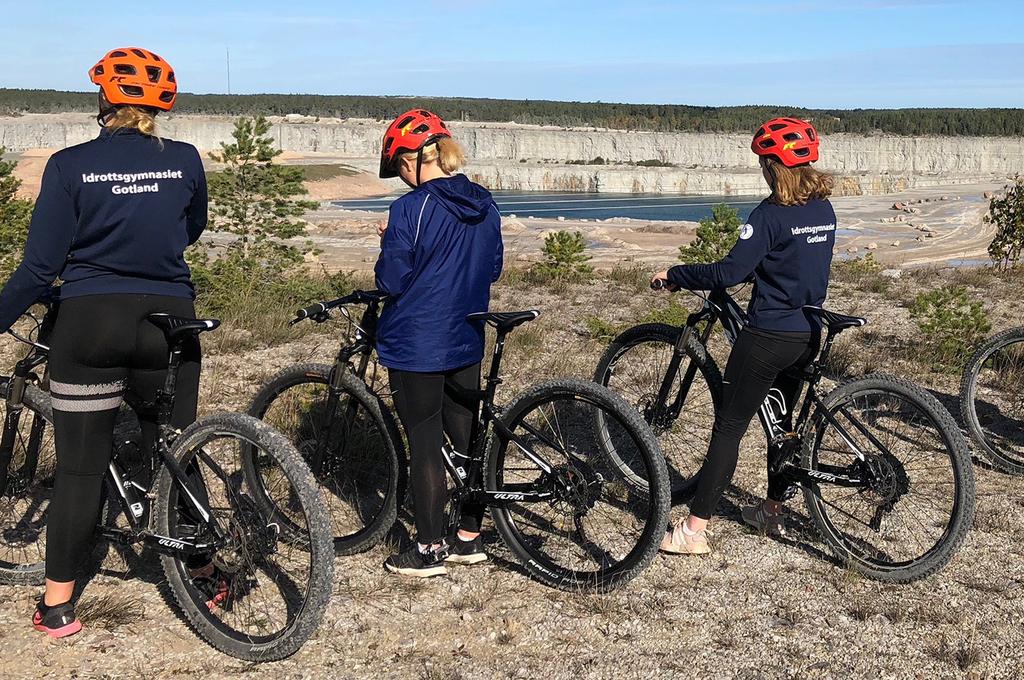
446 151
796 186
135 117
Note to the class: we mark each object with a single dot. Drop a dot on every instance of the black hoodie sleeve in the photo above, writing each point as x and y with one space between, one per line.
49 239
755 241
197 209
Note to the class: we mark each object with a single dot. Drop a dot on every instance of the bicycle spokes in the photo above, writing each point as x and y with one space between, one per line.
905 504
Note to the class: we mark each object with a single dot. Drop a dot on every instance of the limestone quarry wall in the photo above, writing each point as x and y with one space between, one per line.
507 156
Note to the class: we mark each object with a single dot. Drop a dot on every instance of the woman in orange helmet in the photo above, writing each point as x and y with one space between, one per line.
112 222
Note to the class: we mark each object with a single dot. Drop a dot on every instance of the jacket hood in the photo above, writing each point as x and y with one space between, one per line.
467 200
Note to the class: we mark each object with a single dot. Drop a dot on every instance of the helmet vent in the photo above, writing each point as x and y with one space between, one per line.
153 73
167 97
766 143
131 90
792 136
778 126
420 129
98 71
139 53
118 53
170 77
124 69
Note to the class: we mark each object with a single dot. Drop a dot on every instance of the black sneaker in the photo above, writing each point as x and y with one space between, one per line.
412 562
57 621
465 552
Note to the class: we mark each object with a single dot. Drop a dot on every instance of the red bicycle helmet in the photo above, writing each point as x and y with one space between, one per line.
791 141
131 75
411 131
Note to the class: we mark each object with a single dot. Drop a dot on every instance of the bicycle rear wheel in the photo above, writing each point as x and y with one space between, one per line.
277 583
635 364
600 528
26 500
992 400
914 513
361 469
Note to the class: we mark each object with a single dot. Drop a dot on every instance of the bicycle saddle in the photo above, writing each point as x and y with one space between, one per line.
504 321
177 328
835 322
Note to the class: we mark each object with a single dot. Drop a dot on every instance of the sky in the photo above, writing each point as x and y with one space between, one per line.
811 53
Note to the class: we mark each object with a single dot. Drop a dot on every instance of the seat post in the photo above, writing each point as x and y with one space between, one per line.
165 397
493 379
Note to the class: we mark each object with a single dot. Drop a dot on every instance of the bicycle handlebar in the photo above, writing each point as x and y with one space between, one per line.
657 284
357 297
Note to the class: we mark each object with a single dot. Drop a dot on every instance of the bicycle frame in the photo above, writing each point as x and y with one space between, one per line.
132 497
719 306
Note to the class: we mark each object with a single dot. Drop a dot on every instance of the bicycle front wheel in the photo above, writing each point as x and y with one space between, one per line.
25 501
912 514
354 450
273 585
992 400
598 528
635 365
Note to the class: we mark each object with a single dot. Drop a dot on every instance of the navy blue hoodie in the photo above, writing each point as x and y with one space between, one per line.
789 251
114 215
439 256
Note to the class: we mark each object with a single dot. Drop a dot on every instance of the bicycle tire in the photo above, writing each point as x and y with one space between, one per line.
531 555
32 573
304 492
389 453
952 441
995 451
683 466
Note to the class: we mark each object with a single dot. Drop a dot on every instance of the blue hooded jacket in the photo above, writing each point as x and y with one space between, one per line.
788 249
439 256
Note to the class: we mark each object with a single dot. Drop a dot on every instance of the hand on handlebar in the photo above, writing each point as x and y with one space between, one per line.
660 282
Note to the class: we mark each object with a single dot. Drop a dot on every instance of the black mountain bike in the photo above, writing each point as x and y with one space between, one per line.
992 400
563 507
885 472
190 498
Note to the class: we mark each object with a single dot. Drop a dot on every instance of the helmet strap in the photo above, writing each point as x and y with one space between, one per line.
107 111
419 164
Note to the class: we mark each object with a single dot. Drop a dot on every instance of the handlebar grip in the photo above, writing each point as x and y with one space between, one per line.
312 310
657 284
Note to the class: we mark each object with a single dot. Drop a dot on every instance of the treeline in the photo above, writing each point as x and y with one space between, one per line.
676 118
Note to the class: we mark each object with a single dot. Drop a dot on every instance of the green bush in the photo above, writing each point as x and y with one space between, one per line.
565 259
599 329
1007 213
15 214
674 314
952 325
655 163
716 236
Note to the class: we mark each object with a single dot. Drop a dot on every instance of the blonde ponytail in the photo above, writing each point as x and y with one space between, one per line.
446 152
135 117
796 186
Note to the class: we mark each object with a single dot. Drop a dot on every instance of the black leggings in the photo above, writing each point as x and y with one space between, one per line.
101 347
428 411
754 367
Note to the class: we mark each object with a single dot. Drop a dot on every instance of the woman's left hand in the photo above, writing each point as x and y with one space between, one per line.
382 226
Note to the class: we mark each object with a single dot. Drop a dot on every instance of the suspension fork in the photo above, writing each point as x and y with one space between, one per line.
15 401
678 353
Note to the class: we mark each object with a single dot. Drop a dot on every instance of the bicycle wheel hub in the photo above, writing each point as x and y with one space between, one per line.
658 418
888 479
249 535
577 484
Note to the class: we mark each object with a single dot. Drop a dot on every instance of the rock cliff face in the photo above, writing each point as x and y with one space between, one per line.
507 156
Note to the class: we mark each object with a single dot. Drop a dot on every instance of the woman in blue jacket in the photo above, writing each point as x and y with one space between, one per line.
440 253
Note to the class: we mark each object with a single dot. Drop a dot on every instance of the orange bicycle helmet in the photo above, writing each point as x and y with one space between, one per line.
411 131
790 140
137 77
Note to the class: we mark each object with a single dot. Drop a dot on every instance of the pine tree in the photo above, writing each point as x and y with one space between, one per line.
716 236
1007 213
15 214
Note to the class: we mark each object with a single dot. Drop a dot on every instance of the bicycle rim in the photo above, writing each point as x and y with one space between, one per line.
996 402
600 525
906 516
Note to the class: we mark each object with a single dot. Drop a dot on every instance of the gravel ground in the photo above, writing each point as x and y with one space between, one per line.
757 607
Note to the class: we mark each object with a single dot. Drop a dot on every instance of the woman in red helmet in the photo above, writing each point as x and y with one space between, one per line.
786 245
440 252
112 222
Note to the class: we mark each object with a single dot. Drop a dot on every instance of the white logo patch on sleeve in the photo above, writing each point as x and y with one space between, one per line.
746 231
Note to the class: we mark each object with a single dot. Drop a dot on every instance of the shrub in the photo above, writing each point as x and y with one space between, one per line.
1007 214
952 324
716 236
599 329
565 259
15 214
673 314
863 272
655 163
632 275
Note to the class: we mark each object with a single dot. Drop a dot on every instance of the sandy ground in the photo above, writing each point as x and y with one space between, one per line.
755 608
